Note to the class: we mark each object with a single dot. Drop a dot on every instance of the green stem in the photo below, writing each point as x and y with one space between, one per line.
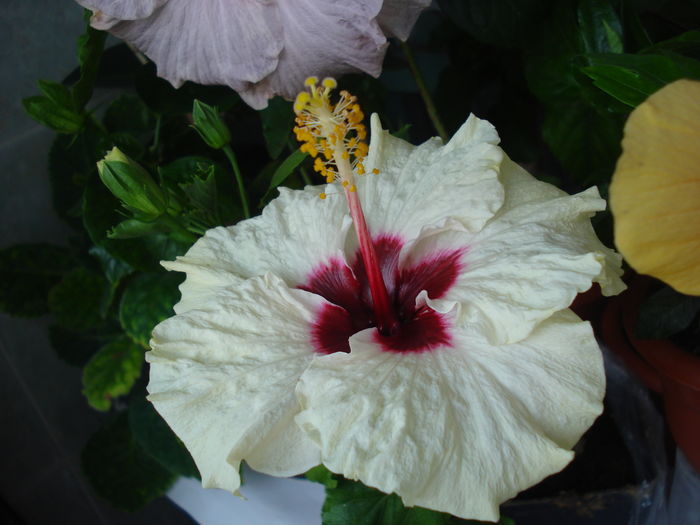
156 134
424 93
239 179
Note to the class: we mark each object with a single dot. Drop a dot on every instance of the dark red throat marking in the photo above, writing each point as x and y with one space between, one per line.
418 329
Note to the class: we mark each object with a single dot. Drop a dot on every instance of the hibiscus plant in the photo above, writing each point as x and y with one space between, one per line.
298 285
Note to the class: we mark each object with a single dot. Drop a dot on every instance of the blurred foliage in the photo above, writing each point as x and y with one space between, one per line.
556 78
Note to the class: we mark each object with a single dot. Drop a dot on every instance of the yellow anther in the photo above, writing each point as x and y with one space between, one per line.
346 155
375 171
321 196
330 179
310 81
345 183
301 101
360 169
352 188
329 83
319 165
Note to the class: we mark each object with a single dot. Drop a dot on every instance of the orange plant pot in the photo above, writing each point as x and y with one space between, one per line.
661 364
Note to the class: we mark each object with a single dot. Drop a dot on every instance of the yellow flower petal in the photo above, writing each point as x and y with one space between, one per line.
655 191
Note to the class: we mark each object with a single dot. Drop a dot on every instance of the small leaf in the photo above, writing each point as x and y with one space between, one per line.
153 434
277 120
112 372
128 114
352 503
28 272
148 300
100 216
58 94
666 313
70 169
320 474
599 27
632 78
120 470
132 228
286 169
76 301
114 269
90 47
53 116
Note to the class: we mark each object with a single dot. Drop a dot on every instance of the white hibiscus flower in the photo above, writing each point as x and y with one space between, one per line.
260 48
434 357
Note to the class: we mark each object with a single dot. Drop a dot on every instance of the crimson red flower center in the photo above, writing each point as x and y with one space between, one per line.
351 310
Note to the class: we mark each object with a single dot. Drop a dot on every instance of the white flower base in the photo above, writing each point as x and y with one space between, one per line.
268 500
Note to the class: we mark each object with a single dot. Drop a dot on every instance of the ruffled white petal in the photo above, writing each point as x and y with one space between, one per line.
223 377
209 41
321 38
123 9
425 185
529 261
295 232
398 16
458 429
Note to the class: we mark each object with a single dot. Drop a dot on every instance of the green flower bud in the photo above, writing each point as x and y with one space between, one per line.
132 185
209 125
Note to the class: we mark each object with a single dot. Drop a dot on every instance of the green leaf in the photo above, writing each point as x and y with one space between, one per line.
128 114
687 43
132 228
320 474
28 272
277 121
352 503
403 133
632 78
285 169
74 349
586 142
154 436
114 269
600 29
100 216
163 99
666 313
90 47
112 372
71 165
76 302
119 470
58 118
148 300
58 94
504 23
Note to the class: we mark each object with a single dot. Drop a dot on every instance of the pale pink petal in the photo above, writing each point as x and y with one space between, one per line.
209 41
398 16
322 38
461 428
123 9
223 377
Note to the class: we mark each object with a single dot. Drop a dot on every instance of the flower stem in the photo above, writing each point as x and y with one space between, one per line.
424 93
239 179
156 134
